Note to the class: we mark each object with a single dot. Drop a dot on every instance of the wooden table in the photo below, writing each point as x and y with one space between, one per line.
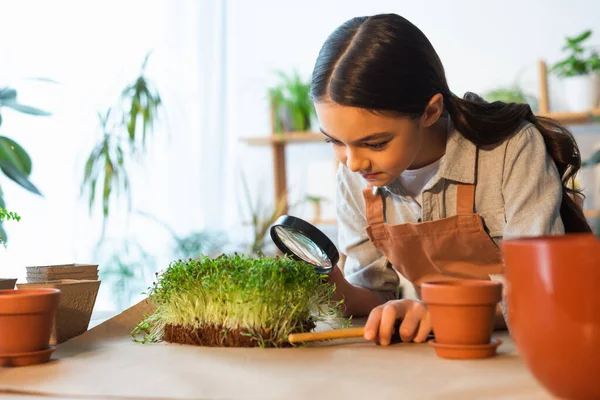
105 363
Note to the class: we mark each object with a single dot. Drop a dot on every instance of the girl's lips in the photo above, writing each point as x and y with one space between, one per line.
370 177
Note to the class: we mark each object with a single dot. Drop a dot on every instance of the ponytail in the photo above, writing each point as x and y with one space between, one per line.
488 123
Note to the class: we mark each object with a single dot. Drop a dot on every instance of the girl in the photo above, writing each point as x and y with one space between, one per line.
429 183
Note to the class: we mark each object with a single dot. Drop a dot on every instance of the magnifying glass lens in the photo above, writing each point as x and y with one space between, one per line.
304 242
303 247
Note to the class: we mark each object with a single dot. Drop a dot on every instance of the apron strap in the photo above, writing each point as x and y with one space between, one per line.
374 206
465 199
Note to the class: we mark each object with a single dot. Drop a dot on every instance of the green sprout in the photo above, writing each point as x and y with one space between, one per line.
259 301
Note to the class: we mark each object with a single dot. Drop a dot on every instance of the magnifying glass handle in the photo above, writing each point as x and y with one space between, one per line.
342 334
326 335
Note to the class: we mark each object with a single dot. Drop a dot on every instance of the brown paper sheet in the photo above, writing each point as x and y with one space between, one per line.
105 363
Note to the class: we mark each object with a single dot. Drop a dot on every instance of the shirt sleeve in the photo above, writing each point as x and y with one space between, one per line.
365 265
531 187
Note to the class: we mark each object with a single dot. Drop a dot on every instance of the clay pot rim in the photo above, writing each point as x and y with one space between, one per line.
466 292
553 240
19 293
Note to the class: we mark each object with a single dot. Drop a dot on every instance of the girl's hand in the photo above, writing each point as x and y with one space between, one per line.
415 325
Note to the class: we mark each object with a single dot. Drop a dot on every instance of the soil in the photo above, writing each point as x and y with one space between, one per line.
217 336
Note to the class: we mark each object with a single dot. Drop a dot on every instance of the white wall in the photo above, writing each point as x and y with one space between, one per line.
482 44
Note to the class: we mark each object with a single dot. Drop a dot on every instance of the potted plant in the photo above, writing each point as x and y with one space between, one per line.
236 300
291 104
26 320
579 73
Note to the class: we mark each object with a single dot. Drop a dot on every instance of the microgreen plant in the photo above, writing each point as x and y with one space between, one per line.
235 292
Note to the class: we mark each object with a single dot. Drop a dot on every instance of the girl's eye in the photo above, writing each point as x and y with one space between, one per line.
377 146
330 140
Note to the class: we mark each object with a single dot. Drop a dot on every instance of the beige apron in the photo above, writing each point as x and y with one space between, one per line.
456 247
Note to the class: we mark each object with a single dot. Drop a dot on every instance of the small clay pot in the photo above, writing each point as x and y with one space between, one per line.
462 311
26 319
553 305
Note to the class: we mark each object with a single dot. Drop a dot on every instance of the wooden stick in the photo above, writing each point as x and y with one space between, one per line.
326 335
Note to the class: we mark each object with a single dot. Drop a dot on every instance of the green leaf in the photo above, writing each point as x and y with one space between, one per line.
17 176
147 123
14 154
93 183
108 174
42 79
26 109
135 107
584 35
2 203
7 95
3 235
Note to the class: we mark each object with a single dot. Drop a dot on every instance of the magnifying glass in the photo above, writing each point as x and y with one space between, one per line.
304 242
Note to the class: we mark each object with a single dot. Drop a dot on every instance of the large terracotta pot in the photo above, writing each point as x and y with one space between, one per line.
26 319
553 302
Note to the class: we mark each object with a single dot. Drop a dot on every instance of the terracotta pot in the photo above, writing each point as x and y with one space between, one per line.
7 283
502 279
77 299
462 311
26 318
553 306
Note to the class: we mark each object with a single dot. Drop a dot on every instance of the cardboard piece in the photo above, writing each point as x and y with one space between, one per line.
59 272
77 299
106 363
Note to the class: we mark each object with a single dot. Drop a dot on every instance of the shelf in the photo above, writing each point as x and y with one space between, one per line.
285 137
571 118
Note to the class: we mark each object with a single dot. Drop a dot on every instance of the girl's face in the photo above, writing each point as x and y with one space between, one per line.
379 147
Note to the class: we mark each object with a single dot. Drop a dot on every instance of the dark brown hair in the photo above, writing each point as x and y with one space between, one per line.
384 63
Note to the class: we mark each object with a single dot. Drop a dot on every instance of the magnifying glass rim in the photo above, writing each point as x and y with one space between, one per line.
310 232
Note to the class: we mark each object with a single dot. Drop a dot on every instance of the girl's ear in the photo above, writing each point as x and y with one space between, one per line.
433 110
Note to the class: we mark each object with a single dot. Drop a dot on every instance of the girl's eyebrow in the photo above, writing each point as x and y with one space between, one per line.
374 136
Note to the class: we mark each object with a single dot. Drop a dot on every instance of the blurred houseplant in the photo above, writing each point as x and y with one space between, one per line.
124 129
579 73
291 104
511 94
15 163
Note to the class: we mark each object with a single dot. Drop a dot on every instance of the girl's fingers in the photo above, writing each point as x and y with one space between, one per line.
391 312
372 325
411 321
424 329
